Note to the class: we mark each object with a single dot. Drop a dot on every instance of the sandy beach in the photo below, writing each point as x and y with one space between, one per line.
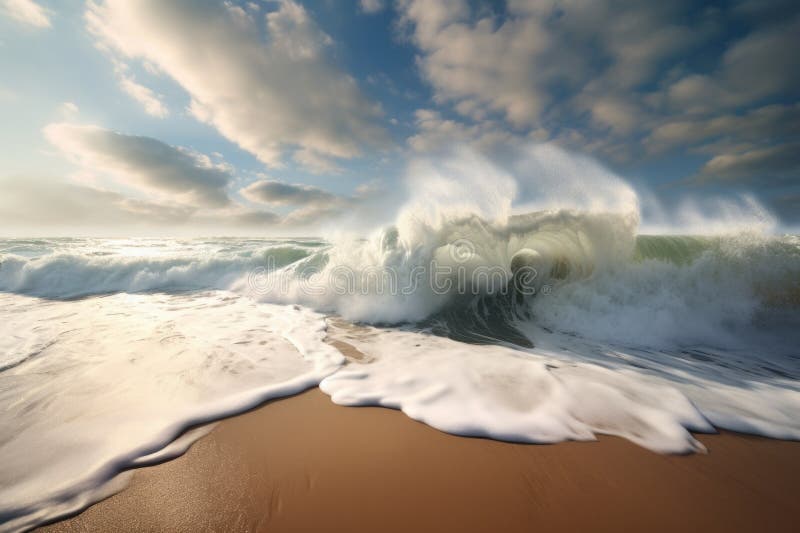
306 464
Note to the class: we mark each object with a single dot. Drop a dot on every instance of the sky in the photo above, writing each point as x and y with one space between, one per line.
282 116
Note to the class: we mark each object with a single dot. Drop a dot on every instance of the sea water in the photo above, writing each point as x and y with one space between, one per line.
531 323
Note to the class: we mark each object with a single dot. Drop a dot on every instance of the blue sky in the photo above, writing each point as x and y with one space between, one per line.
282 114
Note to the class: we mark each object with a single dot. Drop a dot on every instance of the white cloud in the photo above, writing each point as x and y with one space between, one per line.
620 79
146 164
614 112
372 6
313 215
277 193
480 64
312 206
150 101
36 205
765 124
68 109
770 163
27 12
268 95
754 67
38 202
539 53
315 162
145 96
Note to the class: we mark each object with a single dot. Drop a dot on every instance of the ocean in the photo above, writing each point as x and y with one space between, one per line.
540 327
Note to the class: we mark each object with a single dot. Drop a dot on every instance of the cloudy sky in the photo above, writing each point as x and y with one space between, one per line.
271 115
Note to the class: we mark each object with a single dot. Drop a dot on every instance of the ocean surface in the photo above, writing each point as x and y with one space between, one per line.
525 302
549 326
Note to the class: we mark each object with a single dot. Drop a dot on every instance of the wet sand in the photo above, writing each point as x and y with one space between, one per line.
305 464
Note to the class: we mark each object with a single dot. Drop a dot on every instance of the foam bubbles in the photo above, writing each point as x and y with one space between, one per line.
93 386
498 392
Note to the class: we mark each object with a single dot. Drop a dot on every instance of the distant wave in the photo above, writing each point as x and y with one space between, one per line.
53 270
592 275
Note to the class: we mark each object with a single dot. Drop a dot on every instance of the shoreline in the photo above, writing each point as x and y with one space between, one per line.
303 463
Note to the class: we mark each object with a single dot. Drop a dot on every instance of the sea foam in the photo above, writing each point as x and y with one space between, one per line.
94 386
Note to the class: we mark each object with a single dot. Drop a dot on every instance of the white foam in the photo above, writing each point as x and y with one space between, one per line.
97 385
565 389
68 268
498 392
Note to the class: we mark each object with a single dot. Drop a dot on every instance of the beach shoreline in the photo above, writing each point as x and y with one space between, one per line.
305 464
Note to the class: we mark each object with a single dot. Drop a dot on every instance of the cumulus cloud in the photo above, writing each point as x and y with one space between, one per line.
276 193
621 79
26 12
68 109
576 73
145 96
768 123
770 162
755 67
519 64
149 100
372 6
252 217
144 163
267 94
315 162
311 205
38 204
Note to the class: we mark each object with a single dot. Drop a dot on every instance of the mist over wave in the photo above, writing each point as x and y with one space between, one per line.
577 228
